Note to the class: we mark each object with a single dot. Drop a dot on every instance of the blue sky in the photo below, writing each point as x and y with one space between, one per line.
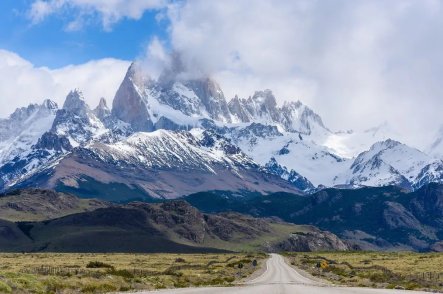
49 43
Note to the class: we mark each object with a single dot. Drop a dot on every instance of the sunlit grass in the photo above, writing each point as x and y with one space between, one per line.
100 273
402 270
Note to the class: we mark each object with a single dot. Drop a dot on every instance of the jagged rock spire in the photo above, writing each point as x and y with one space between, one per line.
75 103
102 111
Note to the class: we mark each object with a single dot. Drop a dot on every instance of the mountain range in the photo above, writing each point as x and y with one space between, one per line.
36 220
369 218
170 136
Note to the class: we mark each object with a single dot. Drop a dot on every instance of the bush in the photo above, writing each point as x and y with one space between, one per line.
99 288
179 259
229 279
98 264
379 278
5 288
411 286
121 273
172 272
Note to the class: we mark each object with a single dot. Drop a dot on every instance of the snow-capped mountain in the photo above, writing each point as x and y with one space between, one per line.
171 136
295 151
390 163
162 163
23 128
262 108
77 122
147 105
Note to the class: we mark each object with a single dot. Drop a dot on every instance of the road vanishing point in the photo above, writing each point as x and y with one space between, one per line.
280 278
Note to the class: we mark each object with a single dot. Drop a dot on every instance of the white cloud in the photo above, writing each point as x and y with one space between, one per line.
357 63
22 83
109 11
155 59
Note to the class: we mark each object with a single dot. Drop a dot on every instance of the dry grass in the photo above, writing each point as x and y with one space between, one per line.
70 273
402 270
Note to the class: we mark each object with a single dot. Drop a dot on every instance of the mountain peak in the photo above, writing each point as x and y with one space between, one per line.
75 103
49 104
293 104
386 144
129 105
102 103
102 111
138 76
23 113
210 98
265 98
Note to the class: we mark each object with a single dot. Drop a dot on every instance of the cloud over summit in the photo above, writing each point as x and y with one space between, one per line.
357 63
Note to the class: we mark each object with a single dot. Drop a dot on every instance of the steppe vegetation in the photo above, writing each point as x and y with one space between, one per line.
390 270
101 273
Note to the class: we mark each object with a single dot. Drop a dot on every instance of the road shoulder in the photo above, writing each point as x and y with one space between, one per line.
307 275
262 267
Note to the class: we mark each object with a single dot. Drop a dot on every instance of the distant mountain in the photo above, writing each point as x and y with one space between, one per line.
41 205
371 218
173 226
176 135
392 163
163 164
262 108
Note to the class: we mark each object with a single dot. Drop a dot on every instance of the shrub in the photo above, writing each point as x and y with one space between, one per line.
379 278
98 264
411 286
172 272
229 279
5 288
99 288
121 273
179 259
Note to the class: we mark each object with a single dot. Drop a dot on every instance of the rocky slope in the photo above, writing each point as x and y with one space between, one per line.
376 218
172 226
40 205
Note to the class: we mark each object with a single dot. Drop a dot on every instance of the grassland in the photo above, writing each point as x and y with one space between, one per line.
100 273
399 270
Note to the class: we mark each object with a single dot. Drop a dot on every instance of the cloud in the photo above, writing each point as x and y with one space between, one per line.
357 63
109 11
155 59
22 83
